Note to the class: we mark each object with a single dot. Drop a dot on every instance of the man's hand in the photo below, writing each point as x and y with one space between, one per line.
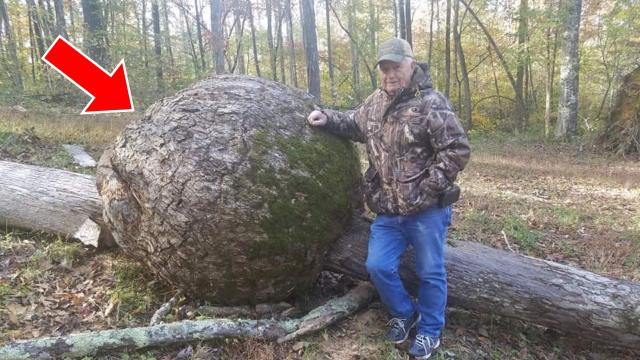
317 118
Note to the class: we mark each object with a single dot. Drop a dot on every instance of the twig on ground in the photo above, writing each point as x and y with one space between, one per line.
164 309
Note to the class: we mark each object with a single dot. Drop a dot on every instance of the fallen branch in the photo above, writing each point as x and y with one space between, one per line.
164 309
105 341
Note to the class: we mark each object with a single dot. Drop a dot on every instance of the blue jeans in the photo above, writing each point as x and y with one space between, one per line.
390 237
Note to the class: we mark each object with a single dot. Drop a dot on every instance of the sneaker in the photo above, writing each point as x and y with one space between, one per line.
423 346
399 328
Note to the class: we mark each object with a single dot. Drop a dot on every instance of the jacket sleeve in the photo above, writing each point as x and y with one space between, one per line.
450 145
347 124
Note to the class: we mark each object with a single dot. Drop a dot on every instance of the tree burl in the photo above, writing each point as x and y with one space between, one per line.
225 192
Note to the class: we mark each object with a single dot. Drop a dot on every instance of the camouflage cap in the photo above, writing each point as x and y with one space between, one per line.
394 49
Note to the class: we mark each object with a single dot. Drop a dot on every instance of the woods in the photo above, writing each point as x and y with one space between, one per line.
326 47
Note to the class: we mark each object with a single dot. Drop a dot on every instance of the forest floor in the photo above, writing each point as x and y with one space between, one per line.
561 202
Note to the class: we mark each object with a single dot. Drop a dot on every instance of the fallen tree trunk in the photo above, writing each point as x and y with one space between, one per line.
53 201
491 281
101 342
482 279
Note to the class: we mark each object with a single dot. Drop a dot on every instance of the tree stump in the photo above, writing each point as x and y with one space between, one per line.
622 132
226 193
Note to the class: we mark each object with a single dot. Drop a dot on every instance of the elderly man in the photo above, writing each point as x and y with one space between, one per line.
416 147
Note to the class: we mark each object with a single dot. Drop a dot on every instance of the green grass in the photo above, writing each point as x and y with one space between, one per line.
517 229
63 252
131 290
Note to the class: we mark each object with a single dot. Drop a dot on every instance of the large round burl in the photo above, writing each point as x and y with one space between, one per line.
224 191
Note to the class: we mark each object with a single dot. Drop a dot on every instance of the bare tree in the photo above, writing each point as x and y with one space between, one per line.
157 44
292 46
253 39
203 62
167 33
14 63
447 51
466 109
550 62
522 62
61 28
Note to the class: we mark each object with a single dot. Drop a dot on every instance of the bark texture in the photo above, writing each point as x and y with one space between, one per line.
573 301
567 125
51 200
225 192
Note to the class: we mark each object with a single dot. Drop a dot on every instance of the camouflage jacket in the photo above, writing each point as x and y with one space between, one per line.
414 142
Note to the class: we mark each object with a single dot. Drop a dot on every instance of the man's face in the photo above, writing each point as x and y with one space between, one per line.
396 75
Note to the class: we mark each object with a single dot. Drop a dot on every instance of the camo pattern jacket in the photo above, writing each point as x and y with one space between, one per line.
415 144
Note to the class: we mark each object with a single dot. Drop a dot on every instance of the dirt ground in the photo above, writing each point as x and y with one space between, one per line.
565 203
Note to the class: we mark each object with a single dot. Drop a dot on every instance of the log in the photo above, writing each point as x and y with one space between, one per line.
490 281
482 279
52 200
105 341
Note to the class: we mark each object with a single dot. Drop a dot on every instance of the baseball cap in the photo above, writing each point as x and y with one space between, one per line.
394 49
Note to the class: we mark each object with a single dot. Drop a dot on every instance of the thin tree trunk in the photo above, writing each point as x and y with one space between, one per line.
72 21
521 65
218 36
253 40
495 82
194 57
407 19
95 39
329 50
519 101
353 46
552 51
272 53
280 39
311 47
157 44
203 61
14 63
430 34
37 27
447 51
466 110
567 124
402 18
395 18
61 27
292 47
143 17
241 16
167 33
373 23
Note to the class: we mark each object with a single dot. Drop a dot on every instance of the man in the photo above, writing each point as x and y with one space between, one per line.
416 147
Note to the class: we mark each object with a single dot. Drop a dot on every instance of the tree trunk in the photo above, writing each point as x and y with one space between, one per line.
143 32
353 47
167 33
37 27
292 47
521 65
567 124
95 34
403 24
241 16
447 51
430 34
194 57
407 19
466 110
203 63
61 28
218 37
157 45
280 39
253 40
311 47
51 200
574 301
14 63
272 53
373 29
329 50
552 51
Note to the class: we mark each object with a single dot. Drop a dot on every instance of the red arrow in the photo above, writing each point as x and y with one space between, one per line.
109 92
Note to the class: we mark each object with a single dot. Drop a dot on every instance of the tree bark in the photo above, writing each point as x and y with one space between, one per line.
447 51
482 279
521 64
567 125
329 50
272 53
218 38
407 19
203 63
552 51
51 200
14 63
466 109
292 47
311 47
167 33
157 45
60 22
253 40
402 25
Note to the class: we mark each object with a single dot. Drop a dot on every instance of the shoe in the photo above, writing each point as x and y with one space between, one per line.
423 346
399 328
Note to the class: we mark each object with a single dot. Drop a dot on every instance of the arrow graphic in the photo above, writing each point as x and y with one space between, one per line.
109 92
